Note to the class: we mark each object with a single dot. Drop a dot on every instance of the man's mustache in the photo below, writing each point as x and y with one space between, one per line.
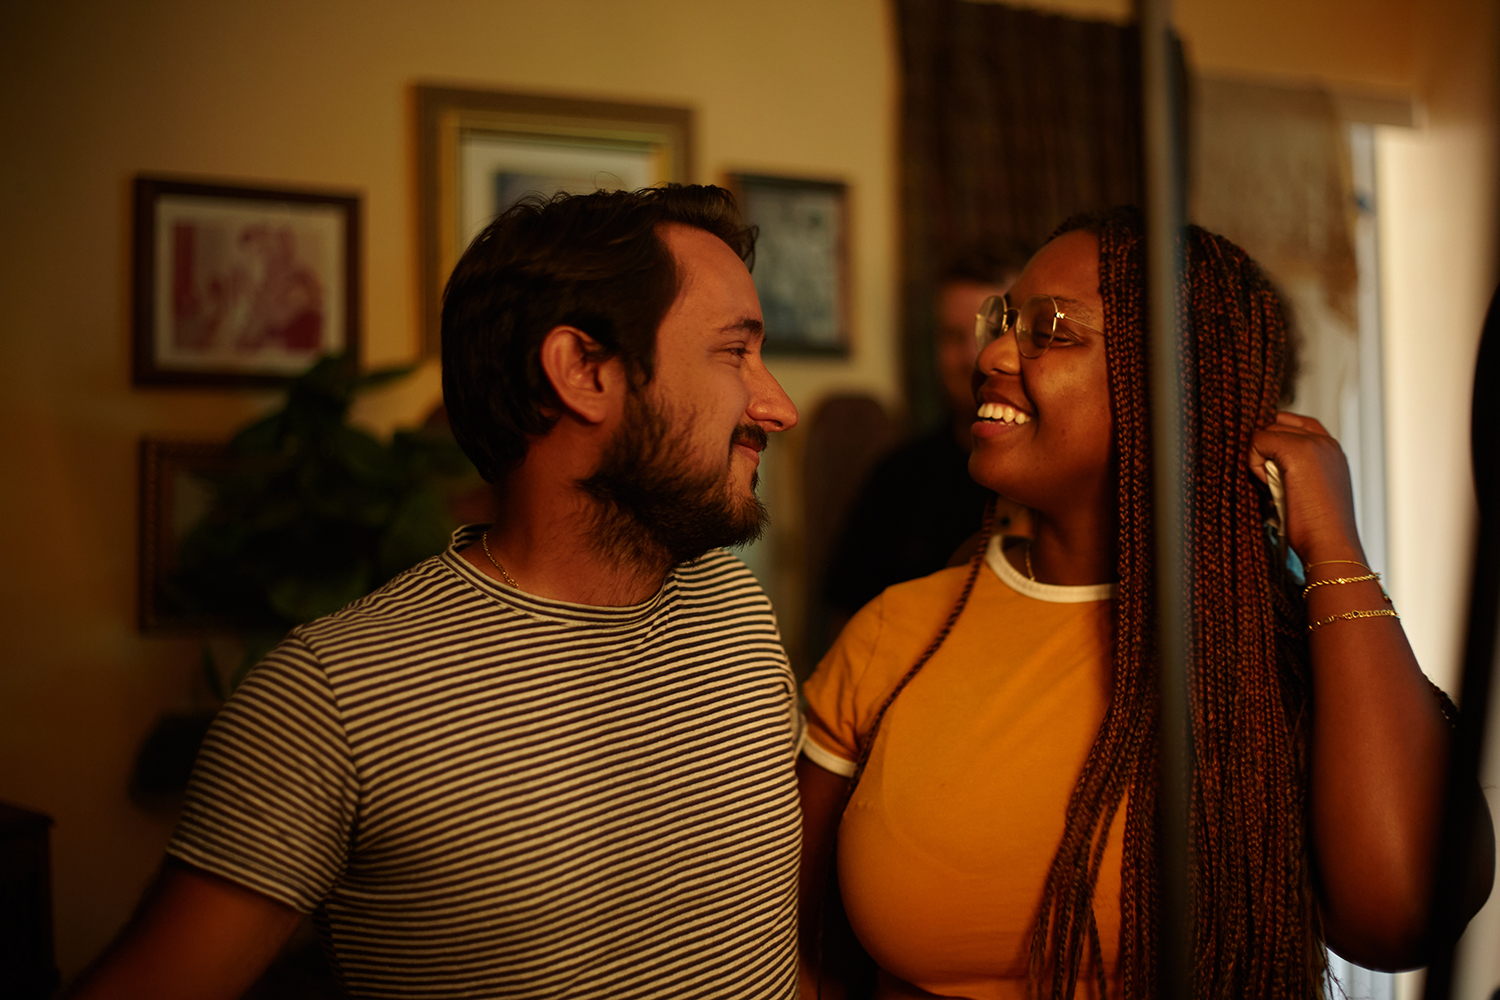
750 435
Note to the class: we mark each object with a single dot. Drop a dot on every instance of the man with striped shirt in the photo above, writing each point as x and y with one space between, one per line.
556 760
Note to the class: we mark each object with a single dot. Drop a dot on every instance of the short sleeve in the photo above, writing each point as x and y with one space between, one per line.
835 709
273 797
796 718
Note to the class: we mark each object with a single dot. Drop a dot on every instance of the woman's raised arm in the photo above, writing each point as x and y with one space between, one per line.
1379 740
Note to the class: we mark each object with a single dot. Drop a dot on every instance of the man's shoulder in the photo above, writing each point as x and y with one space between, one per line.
434 612
437 595
431 590
719 575
714 568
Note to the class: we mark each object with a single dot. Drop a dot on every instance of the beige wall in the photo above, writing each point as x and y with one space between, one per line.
318 93
1437 209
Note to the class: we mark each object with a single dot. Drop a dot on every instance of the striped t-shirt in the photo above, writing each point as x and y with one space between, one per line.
482 793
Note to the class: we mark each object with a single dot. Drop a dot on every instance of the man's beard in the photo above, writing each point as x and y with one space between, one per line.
652 509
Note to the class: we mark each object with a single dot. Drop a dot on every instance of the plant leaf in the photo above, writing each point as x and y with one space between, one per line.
420 528
301 599
380 376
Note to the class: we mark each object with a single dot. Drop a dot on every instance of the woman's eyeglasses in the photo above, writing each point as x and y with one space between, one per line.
1035 323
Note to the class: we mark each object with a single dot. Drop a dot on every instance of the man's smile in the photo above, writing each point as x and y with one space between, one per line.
751 438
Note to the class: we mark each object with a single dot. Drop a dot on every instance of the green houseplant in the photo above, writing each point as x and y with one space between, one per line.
312 513
308 514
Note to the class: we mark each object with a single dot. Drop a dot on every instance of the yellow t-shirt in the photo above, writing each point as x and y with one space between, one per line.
945 846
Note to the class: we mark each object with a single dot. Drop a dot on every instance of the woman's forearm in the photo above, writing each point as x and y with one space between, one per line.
1379 741
1379 755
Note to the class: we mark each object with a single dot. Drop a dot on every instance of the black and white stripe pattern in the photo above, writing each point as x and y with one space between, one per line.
485 794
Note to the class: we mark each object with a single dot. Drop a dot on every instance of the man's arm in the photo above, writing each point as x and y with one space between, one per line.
194 936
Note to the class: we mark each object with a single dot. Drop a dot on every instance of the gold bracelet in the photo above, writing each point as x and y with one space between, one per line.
1326 562
1339 579
1347 579
1349 616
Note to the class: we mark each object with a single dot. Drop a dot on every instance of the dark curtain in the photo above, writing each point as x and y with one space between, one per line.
1011 121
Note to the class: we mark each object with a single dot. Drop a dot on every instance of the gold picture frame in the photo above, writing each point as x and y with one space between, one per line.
477 148
172 499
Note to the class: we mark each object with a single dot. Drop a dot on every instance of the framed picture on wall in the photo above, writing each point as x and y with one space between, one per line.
801 261
173 498
239 286
479 151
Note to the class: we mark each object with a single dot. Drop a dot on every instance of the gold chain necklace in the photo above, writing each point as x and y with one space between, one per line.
1029 573
484 540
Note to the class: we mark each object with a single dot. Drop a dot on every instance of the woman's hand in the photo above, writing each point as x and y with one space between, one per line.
1319 497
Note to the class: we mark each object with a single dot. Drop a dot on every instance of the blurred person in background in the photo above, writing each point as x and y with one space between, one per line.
919 503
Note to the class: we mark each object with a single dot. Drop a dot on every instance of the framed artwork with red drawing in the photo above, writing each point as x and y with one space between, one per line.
241 286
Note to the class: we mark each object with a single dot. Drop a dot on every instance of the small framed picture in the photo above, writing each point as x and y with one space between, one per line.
479 151
801 261
173 498
237 286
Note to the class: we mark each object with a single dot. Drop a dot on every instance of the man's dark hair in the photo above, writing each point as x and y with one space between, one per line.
593 261
985 263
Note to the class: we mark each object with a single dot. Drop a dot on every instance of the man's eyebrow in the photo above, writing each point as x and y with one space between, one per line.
748 325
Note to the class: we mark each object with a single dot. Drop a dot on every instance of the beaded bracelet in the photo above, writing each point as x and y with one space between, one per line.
1348 616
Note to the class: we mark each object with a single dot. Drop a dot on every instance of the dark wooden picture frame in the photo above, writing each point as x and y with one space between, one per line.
478 149
801 261
241 286
171 500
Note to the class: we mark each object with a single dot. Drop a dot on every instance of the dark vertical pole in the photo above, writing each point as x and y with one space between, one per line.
1164 217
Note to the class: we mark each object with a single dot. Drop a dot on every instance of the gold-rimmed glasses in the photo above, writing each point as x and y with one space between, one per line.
1035 323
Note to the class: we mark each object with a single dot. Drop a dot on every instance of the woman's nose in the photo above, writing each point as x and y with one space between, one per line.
1000 355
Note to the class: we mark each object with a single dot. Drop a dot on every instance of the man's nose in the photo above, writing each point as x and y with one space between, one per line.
770 406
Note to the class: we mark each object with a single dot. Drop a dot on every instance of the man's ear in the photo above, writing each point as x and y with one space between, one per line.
586 380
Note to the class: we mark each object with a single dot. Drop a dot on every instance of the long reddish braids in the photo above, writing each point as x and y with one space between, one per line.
1253 905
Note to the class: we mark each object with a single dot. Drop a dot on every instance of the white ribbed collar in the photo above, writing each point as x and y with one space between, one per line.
1055 593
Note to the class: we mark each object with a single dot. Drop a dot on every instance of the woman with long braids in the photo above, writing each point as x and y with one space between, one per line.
982 743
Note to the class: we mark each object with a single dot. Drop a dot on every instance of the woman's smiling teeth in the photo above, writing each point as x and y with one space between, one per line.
1002 413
